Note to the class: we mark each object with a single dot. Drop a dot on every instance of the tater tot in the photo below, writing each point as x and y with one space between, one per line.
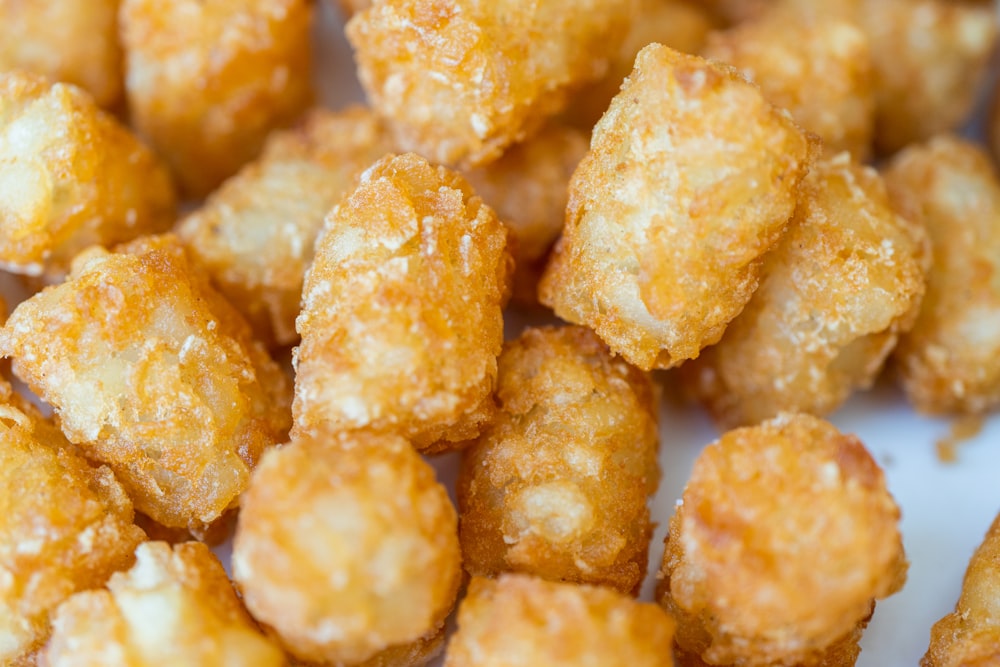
970 636
347 548
70 176
73 41
518 620
527 187
691 177
174 607
64 526
737 11
558 485
822 75
401 320
834 296
152 373
463 79
950 360
256 233
206 80
783 539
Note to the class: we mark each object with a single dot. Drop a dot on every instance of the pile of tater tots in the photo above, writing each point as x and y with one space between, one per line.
252 318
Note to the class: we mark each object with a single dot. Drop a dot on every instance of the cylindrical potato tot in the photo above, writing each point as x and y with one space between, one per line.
401 312
64 526
463 79
154 374
348 547
691 177
950 361
558 485
73 41
256 233
71 177
834 296
784 538
518 620
207 80
970 636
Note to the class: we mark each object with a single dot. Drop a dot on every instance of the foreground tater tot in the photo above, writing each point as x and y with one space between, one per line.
74 41
71 177
64 526
691 177
463 79
950 361
519 620
256 233
207 80
527 188
558 485
174 607
970 636
834 296
152 373
401 312
820 70
348 550
784 538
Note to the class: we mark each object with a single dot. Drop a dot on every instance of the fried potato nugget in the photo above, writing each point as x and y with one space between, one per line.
950 361
401 319
174 607
73 41
256 233
64 526
691 177
835 294
152 373
348 547
753 573
527 187
207 80
970 636
70 176
822 75
520 620
558 485
463 79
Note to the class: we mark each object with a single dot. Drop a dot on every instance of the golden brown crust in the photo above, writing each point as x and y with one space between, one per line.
401 321
558 486
174 607
461 79
520 620
950 361
368 509
748 555
690 179
152 373
72 177
835 294
207 80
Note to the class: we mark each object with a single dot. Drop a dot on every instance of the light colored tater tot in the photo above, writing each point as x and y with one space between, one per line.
70 176
691 178
401 312
558 485
463 79
950 360
782 541
256 233
347 549
207 80
152 373
176 606
835 294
